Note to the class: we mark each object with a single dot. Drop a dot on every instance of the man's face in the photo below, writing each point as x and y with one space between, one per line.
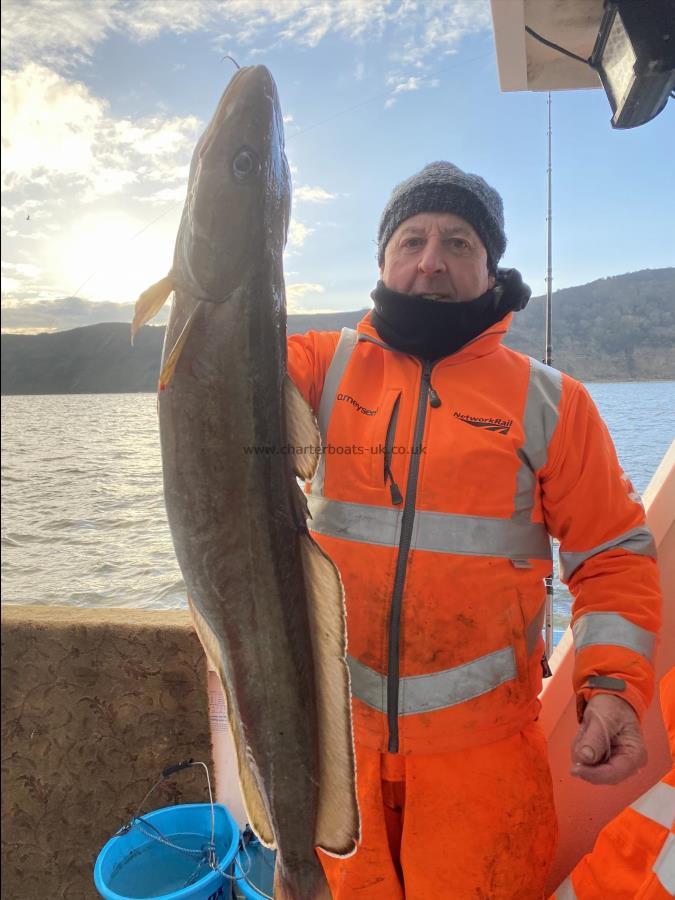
438 255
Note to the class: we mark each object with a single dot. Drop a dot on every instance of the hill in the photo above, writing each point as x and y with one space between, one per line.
620 328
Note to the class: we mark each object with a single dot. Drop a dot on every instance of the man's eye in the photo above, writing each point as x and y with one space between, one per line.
412 243
458 245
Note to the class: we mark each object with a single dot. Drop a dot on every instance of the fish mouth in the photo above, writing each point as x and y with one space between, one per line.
251 73
249 79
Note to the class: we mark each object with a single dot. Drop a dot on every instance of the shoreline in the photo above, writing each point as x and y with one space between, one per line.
669 380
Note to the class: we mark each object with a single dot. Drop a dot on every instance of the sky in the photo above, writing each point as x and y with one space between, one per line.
104 100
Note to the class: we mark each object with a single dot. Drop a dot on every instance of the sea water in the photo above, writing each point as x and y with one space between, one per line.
83 518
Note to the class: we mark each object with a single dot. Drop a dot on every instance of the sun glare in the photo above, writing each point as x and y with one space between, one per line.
103 257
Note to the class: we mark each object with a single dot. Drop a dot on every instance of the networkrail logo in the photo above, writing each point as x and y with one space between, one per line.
501 426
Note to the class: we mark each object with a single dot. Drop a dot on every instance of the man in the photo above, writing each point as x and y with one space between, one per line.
448 458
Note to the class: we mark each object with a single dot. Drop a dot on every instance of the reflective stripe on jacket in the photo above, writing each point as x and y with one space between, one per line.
437 488
634 855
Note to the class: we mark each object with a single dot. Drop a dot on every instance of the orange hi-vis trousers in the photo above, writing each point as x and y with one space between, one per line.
477 823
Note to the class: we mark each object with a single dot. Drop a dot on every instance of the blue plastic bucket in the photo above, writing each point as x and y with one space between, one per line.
134 866
257 863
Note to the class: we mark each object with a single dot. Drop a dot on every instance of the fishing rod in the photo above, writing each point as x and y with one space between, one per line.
548 354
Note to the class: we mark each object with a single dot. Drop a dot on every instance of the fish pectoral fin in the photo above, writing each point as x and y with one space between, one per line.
169 366
337 827
254 804
150 302
299 505
302 433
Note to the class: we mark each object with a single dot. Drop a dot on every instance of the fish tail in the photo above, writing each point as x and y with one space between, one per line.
306 883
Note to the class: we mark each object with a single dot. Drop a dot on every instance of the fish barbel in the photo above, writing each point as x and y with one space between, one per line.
266 601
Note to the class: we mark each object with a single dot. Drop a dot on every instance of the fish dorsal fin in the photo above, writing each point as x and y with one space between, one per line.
302 431
337 828
253 801
150 302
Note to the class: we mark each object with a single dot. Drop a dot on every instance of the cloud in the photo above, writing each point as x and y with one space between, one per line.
163 196
409 84
48 125
27 269
296 292
65 313
406 84
23 279
301 288
147 19
67 160
440 28
307 194
74 312
302 22
422 29
29 235
53 127
298 233
64 33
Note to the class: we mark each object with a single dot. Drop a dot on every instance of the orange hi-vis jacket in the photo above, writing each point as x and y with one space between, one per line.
634 855
437 490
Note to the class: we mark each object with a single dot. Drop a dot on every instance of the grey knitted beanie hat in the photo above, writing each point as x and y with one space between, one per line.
442 187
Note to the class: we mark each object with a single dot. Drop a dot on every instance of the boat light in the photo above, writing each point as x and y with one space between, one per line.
634 55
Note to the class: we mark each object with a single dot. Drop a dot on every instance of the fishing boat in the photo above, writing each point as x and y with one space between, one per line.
96 702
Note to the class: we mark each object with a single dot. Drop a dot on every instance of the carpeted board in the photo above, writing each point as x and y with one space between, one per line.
95 703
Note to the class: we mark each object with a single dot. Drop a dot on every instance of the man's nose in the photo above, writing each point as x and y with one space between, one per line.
432 260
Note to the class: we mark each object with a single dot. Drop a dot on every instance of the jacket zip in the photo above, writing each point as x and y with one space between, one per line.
396 497
393 677
408 518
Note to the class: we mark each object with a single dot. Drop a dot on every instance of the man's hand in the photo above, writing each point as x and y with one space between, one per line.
609 745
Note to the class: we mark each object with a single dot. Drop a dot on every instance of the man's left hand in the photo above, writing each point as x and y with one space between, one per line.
609 746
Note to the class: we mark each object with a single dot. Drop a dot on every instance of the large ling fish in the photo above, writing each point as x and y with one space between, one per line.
266 602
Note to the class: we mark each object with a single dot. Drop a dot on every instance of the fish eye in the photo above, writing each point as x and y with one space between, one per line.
245 164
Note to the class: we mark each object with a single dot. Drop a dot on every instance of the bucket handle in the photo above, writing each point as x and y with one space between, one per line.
167 773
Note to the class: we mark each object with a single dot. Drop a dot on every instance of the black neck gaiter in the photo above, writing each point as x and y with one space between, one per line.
431 329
